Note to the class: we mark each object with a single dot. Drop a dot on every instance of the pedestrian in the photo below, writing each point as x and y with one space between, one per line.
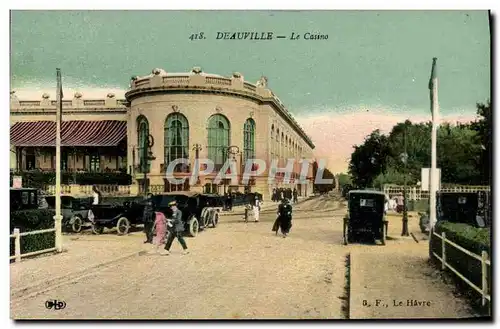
295 195
148 218
160 229
177 230
285 217
96 194
256 208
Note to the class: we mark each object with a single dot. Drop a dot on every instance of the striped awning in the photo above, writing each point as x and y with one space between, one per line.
73 133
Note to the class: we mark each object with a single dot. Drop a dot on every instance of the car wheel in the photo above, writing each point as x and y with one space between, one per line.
97 229
215 219
77 223
193 227
204 216
384 233
122 226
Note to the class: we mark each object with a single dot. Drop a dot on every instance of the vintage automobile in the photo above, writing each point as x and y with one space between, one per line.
366 216
463 207
75 211
199 211
23 198
122 216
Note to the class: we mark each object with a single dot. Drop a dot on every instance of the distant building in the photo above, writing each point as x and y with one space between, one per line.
188 115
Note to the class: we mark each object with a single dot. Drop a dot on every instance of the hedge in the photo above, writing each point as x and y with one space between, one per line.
471 238
32 220
39 179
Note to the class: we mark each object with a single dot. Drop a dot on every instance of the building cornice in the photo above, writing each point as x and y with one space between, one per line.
161 82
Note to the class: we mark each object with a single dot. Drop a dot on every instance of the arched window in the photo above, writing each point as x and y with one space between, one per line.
248 140
218 139
176 137
142 143
282 142
272 141
277 149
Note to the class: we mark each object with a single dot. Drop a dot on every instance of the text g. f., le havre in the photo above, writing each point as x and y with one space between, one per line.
269 36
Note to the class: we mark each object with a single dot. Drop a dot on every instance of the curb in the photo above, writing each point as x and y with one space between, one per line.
26 292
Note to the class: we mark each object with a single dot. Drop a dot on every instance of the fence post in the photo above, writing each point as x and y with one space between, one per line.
17 244
443 250
484 272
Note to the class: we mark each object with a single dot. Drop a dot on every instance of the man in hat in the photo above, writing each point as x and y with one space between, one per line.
178 229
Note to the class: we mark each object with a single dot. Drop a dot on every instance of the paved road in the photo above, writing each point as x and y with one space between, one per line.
236 270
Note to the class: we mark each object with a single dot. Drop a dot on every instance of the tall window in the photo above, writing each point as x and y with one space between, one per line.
277 148
282 148
218 139
95 162
176 134
272 141
248 140
142 143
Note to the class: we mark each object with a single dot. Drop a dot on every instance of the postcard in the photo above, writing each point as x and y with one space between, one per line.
250 165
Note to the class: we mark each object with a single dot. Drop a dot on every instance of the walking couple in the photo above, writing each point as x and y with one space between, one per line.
164 228
284 220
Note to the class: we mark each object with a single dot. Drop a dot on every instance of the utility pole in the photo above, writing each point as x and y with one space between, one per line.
58 216
433 90
405 192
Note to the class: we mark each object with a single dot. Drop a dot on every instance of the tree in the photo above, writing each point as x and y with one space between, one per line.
344 179
484 129
369 159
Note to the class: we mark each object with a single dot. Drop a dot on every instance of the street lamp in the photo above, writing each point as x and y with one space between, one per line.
147 156
404 160
197 148
229 150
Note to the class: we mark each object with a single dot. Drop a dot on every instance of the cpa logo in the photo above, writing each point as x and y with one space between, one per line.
55 304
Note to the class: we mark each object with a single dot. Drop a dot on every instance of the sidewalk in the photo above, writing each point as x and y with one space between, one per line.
83 253
396 281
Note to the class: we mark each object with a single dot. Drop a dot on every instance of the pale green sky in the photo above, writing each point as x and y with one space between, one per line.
371 59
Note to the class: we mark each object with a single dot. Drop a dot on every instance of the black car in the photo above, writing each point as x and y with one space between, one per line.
471 208
122 214
75 211
366 216
198 210
23 198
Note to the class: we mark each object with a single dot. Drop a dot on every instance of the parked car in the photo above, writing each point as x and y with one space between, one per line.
463 207
199 210
366 216
75 211
23 198
122 216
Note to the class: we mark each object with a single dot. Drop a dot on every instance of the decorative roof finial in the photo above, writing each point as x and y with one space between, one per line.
45 96
196 70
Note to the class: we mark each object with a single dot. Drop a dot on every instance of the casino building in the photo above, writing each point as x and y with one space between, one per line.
165 116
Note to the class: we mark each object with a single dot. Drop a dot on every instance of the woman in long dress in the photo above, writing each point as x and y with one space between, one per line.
160 227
